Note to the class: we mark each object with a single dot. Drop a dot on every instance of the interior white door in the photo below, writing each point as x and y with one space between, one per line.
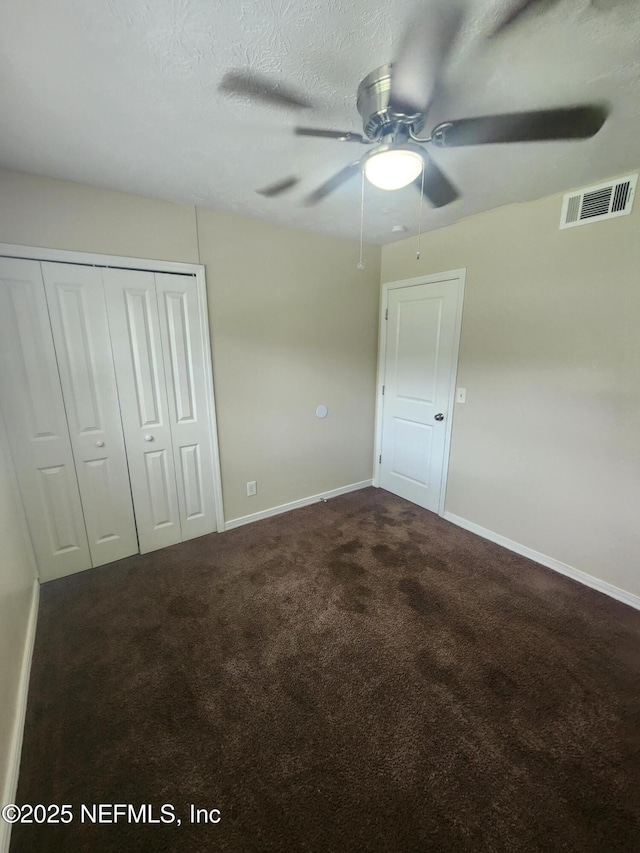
81 337
137 350
419 360
182 328
36 423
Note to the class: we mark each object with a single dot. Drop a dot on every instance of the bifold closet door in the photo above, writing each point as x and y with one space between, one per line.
137 350
80 328
183 326
34 413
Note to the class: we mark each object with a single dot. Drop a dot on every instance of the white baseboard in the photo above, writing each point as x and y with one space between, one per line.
564 569
11 779
276 510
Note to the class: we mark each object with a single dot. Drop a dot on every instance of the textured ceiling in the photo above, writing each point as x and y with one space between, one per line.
123 94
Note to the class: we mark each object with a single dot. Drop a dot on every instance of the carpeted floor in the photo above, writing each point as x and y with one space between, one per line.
358 675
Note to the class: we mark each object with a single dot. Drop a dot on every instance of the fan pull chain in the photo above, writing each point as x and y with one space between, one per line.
360 262
420 213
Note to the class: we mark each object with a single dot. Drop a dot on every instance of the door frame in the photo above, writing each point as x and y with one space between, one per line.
33 253
457 278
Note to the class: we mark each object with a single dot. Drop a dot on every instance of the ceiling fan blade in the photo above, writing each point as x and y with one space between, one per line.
342 135
262 89
567 123
438 189
424 49
333 183
517 10
279 187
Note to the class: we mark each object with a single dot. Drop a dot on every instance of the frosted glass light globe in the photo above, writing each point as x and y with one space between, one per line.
393 169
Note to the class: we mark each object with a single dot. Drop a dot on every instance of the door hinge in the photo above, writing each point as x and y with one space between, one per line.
380 458
383 390
386 314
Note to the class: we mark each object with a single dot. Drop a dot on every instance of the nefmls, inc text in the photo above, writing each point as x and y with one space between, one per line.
109 813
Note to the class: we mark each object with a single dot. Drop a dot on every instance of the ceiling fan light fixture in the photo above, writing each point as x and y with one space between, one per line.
393 168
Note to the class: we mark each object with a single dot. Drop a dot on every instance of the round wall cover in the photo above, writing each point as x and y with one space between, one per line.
322 411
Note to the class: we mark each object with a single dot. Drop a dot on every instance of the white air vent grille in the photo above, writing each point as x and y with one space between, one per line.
603 201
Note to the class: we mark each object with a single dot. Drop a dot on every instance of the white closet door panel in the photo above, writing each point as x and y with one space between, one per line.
137 350
81 336
31 399
182 328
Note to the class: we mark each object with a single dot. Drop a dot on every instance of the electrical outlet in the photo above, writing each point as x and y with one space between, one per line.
461 395
252 488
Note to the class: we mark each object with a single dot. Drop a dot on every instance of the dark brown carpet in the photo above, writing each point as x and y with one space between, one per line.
358 675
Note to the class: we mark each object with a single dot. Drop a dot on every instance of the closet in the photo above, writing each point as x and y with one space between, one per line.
107 400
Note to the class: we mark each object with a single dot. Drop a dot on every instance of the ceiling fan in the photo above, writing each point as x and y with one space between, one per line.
394 102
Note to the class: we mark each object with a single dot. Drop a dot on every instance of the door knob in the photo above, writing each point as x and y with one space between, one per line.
99 443
438 417
148 438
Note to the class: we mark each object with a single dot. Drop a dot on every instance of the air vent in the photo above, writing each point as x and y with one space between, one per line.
603 201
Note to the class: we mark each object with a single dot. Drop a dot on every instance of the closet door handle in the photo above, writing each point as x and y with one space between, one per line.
148 438
99 443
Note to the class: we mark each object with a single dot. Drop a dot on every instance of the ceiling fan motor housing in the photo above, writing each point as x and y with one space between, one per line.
378 119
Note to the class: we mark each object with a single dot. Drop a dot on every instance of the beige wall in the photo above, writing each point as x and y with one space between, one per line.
17 575
293 325
546 450
52 214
